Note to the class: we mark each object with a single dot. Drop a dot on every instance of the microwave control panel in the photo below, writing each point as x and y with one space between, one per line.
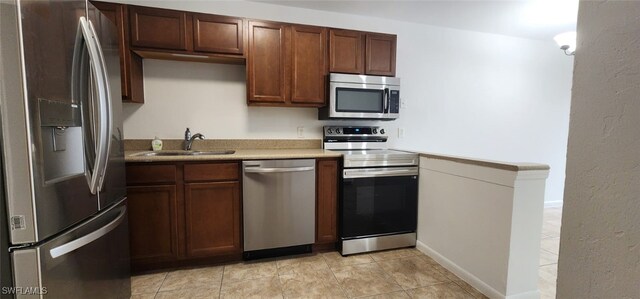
394 101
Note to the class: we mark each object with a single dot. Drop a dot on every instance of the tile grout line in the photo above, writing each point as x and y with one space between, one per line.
163 279
455 282
224 267
334 277
386 273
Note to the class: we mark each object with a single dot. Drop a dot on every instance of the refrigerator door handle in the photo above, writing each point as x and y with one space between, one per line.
100 124
107 115
87 239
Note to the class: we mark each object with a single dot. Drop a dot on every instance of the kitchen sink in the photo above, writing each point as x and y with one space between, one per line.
185 153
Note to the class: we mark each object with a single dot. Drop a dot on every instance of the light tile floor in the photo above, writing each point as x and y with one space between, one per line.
549 248
403 273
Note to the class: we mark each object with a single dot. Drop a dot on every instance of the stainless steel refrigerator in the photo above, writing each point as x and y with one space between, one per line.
64 184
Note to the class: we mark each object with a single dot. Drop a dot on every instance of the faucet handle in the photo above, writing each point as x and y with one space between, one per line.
187 134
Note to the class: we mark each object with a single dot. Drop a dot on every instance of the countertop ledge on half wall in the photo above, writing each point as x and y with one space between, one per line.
510 166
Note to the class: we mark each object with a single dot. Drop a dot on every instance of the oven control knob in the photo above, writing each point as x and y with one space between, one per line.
374 131
381 131
337 131
329 131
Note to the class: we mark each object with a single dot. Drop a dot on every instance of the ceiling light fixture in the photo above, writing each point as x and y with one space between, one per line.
567 42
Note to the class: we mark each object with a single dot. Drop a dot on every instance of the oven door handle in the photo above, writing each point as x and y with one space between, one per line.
377 172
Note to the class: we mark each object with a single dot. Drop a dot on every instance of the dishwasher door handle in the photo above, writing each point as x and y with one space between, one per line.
249 169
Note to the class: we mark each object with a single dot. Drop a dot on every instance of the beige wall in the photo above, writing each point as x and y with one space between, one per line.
600 238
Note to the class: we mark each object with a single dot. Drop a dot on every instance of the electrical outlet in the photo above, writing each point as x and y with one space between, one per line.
400 133
300 132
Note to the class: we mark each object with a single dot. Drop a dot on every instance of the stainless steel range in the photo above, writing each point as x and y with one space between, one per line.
379 191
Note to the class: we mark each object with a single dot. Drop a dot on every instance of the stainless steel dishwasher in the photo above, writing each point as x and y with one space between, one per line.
279 211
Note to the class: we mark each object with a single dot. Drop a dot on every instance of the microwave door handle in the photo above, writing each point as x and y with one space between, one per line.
386 100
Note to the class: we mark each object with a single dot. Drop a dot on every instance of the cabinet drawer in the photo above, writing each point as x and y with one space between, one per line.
150 174
211 172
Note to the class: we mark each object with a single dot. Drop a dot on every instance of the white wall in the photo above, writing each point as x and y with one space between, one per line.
600 240
466 93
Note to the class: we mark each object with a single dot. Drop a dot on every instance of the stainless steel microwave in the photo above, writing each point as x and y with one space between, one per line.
362 97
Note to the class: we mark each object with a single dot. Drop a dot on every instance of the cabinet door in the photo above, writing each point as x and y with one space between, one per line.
327 201
158 28
212 214
266 59
381 54
309 64
130 63
153 223
217 34
345 51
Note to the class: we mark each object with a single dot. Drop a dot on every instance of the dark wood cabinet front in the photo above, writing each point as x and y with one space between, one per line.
212 215
217 34
158 28
287 64
266 67
132 87
308 64
346 51
153 223
183 213
381 54
326 201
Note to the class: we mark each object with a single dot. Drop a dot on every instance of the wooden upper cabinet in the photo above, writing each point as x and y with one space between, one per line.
217 34
132 87
326 201
346 51
212 218
381 54
309 64
266 70
158 28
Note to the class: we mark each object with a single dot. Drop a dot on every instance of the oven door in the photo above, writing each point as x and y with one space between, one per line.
356 100
378 201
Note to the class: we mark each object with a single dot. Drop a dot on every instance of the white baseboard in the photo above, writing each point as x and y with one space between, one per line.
553 204
470 278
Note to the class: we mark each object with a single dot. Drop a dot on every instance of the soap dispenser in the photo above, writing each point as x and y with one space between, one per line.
156 144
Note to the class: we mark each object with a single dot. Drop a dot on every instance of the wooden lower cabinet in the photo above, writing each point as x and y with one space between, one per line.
183 214
212 215
153 223
326 201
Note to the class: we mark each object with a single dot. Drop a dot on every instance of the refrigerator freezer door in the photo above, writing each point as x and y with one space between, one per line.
90 261
113 184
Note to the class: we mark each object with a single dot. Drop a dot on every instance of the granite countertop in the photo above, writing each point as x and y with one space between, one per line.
240 154
245 149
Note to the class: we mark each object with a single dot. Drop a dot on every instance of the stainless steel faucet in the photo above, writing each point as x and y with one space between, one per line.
188 139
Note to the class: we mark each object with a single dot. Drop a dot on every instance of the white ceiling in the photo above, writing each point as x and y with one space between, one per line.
535 19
